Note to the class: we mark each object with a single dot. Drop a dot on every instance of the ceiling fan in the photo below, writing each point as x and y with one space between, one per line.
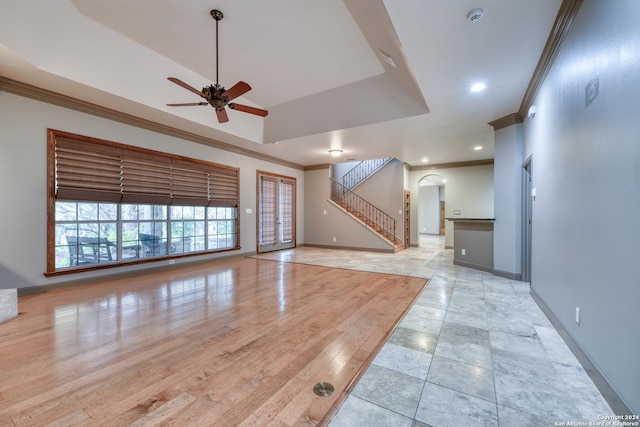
216 95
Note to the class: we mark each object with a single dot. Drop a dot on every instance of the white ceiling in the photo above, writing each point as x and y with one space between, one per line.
314 64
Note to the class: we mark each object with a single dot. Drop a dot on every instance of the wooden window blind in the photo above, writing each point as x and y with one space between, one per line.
146 178
89 172
223 184
89 169
190 183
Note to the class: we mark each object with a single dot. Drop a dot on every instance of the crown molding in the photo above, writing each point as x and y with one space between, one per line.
561 26
451 165
317 167
44 95
506 121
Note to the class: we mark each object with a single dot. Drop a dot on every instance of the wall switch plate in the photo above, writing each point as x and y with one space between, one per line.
464 252
248 211
578 315
334 239
324 212
172 261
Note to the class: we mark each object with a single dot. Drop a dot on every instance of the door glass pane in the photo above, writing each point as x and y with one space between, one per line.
286 211
268 206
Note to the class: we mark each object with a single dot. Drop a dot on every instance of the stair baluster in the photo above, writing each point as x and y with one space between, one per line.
362 171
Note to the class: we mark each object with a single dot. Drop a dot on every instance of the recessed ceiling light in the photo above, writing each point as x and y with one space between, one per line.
478 147
335 152
425 160
478 87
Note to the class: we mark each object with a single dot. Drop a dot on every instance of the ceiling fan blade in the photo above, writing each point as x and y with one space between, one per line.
246 109
236 90
186 86
222 116
188 104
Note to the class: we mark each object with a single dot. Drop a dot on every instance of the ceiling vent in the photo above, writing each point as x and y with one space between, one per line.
386 57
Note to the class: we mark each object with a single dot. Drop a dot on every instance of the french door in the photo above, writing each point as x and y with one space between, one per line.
276 219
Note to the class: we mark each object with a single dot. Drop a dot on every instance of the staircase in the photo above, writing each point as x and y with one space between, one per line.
362 171
378 221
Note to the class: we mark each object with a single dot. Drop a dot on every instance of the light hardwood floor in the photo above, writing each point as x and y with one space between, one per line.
234 342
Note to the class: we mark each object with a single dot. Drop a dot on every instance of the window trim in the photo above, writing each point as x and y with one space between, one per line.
53 134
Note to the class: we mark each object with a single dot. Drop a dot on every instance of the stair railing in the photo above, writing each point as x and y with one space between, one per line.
362 171
372 216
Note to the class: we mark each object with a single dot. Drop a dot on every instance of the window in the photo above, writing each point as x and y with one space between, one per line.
113 204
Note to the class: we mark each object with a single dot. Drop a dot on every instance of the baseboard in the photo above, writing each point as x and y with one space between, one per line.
507 274
349 248
474 266
612 397
30 290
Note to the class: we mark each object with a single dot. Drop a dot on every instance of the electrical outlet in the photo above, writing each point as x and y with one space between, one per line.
334 239
464 252
172 261
578 315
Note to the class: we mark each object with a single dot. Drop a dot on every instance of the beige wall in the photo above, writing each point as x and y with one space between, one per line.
23 142
324 221
468 189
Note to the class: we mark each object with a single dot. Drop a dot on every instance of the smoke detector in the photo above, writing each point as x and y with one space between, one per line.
475 15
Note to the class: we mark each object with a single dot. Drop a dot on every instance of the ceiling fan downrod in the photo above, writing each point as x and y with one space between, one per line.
217 15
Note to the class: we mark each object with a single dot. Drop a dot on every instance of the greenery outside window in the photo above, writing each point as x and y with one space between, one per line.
112 204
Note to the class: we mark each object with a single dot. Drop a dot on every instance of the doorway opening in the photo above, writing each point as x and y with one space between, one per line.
431 206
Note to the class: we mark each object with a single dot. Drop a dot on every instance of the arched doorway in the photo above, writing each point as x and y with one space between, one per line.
431 206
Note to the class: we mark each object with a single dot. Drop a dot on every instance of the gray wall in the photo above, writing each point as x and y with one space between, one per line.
23 143
324 221
586 170
429 200
476 240
507 182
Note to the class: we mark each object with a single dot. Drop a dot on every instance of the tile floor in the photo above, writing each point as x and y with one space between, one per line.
474 350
